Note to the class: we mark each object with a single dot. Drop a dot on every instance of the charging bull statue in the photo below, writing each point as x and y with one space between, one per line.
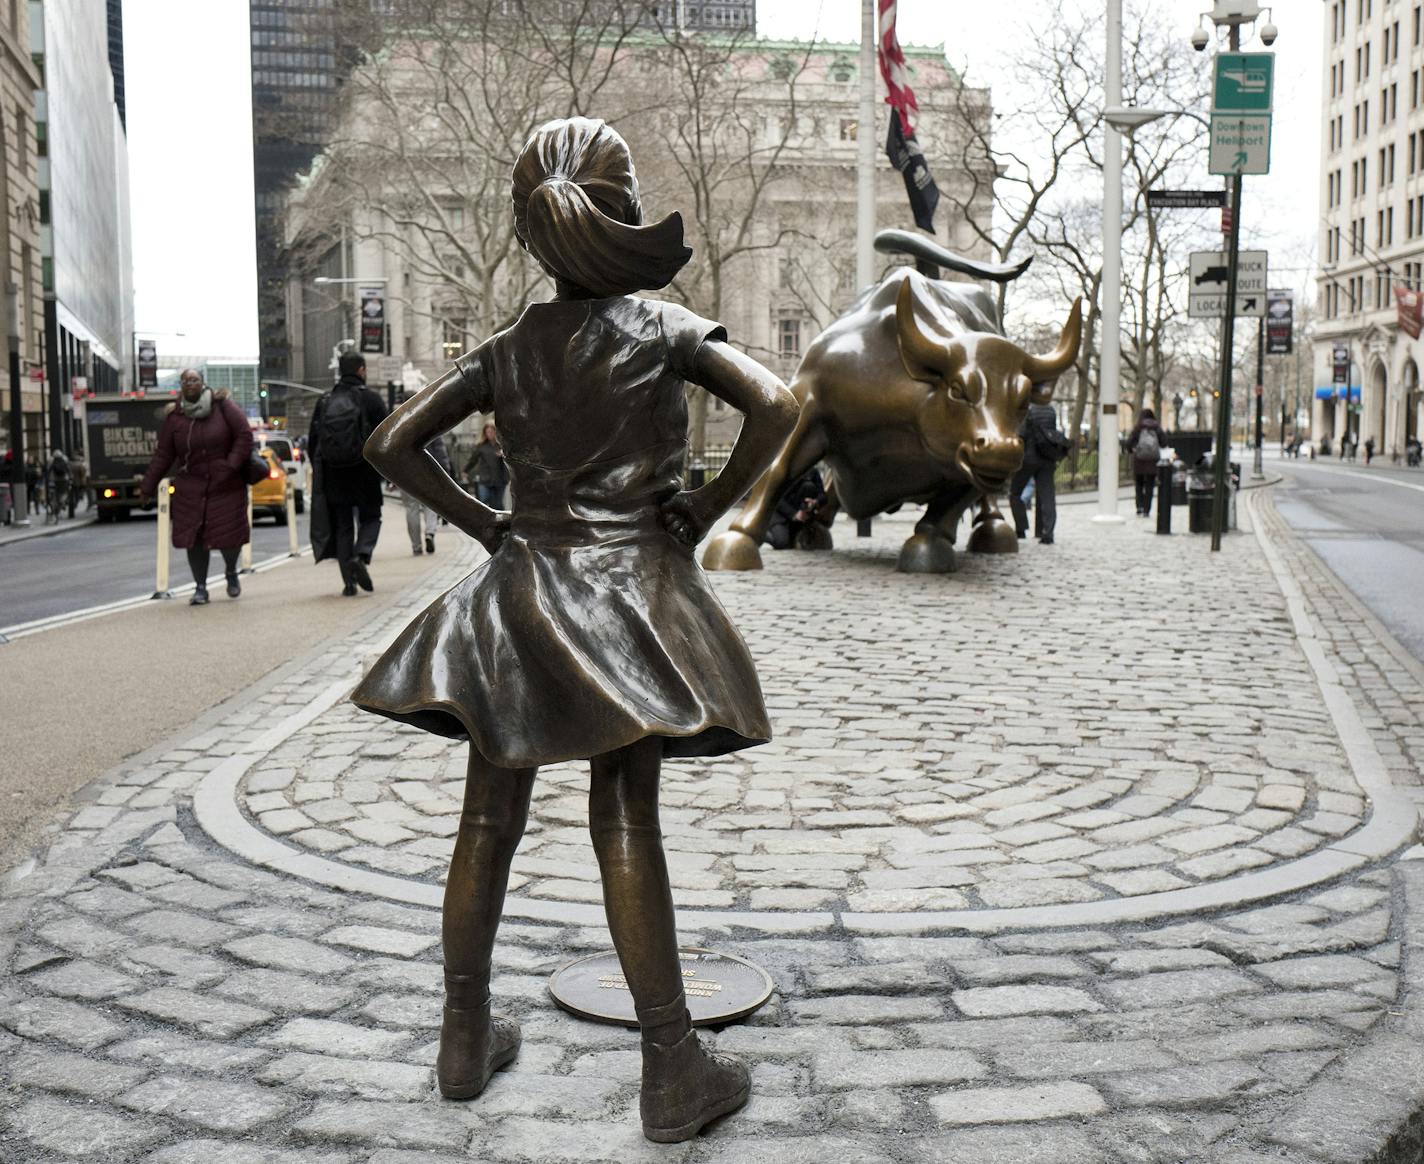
914 396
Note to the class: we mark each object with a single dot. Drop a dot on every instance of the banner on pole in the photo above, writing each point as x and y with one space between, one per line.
1409 311
147 364
1340 364
373 319
1280 322
900 145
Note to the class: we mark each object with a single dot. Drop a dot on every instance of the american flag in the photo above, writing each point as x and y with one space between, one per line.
900 144
892 68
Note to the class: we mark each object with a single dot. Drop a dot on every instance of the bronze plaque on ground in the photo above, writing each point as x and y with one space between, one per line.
720 988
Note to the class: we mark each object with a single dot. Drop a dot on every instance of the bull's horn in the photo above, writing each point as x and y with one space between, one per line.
923 358
1050 367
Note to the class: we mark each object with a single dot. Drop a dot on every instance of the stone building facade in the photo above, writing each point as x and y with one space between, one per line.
793 277
1372 214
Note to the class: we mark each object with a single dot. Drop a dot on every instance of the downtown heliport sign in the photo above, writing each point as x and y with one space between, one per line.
1242 92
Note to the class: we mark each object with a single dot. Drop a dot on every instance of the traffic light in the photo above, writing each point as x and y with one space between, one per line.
262 403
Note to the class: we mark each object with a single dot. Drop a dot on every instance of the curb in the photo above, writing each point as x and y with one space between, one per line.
47 531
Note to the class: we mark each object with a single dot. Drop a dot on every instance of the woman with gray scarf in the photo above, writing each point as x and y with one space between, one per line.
205 441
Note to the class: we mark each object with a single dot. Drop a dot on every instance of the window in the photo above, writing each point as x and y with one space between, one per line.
848 128
452 338
788 337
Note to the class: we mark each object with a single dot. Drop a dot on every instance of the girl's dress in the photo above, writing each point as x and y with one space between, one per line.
591 627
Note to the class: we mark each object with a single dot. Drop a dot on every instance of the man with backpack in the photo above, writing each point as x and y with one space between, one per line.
1044 447
350 488
1144 442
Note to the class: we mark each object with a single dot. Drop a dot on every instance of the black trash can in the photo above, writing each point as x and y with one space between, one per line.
1201 488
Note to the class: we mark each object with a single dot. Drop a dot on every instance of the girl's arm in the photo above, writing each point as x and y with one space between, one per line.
770 412
397 450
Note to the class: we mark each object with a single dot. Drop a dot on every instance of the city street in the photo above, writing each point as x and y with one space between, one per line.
1368 526
97 564
1037 880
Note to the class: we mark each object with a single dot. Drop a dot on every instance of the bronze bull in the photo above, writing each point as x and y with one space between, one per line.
914 396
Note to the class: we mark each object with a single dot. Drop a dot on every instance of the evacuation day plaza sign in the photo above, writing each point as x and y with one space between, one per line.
1242 92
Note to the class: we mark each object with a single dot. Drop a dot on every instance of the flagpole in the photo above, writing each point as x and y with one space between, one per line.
865 142
1111 365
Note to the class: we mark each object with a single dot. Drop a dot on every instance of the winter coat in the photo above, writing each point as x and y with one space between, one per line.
487 465
1145 468
206 458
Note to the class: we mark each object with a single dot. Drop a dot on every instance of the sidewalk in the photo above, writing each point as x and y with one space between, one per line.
39 529
1039 879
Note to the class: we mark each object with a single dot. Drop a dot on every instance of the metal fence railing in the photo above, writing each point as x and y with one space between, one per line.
702 468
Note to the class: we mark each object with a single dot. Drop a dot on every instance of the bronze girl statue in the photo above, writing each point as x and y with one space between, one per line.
591 632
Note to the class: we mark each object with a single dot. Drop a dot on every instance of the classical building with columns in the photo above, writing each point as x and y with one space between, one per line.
1372 215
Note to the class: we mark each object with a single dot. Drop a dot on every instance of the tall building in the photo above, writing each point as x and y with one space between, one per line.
1372 211
301 52
86 242
20 228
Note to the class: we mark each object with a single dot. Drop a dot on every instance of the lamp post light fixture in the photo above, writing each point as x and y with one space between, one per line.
1120 119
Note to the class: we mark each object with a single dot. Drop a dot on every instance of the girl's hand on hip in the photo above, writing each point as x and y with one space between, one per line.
684 519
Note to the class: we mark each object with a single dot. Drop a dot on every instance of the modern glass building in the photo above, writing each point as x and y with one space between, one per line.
85 239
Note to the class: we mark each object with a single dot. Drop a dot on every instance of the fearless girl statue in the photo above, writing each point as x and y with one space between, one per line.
591 632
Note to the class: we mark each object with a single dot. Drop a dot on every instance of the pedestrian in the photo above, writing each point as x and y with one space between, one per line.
1369 449
417 514
592 632
1144 442
206 442
349 488
32 480
487 468
1044 447
795 509
57 483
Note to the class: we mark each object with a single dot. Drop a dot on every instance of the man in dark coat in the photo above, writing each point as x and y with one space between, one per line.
1042 445
795 509
350 489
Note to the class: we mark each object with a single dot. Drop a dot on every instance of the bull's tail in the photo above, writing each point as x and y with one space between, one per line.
902 242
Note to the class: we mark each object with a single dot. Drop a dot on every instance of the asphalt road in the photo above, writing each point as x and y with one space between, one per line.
97 564
1368 526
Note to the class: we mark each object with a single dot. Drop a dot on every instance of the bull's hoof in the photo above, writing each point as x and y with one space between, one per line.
732 550
926 554
815 536
993 535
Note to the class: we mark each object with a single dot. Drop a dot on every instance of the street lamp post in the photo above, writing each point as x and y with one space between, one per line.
1118 119
19 501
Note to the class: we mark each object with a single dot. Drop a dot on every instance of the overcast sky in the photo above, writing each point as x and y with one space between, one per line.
190 142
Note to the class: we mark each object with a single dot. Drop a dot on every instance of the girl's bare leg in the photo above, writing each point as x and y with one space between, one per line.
683 1086
473 1045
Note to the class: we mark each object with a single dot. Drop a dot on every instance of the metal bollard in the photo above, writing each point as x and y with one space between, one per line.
165 522
246 567
1164 497
293 549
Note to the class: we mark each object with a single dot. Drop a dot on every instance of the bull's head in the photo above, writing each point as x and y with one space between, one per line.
982 386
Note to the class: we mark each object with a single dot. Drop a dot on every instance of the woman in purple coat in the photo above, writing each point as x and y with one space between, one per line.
205 442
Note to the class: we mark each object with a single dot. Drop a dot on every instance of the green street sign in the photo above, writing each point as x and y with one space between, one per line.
1240 144
1244 83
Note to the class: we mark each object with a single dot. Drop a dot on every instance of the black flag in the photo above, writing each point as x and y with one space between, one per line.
907 157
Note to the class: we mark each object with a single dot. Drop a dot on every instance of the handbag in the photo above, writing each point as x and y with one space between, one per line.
256 468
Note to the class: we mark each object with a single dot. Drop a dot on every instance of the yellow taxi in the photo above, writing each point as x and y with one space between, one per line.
269 495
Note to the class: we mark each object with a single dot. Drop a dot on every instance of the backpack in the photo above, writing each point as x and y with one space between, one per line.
343 429
1149 448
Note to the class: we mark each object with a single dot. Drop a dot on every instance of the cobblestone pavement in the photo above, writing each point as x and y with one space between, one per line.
1071 728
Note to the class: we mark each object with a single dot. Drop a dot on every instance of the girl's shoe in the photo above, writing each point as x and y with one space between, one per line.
234 587
200 597
473 1046
686 1087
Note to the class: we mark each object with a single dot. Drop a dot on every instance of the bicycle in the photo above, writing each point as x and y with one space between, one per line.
56 500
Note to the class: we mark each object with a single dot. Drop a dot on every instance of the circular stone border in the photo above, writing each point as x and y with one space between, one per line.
1391 826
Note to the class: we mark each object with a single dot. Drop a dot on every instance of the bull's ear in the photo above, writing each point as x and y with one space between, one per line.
923 358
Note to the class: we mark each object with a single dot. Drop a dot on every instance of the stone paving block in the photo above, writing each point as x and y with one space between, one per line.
1015 968
1304 1004
285 991
216 1018
791 1150
108 901
386 1125
83 979
364 1078
380 940
57 1018
325 1036
76 1129
1331 970
283 953
915 1068
226 1152
181 928
1015 1144
1163 1137
1067 1060
1151 961
1255 1041
171 1049
885 978
64 1071
1008 1105
1206 1085
865 1008
999 1001
215 1104
1181 986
